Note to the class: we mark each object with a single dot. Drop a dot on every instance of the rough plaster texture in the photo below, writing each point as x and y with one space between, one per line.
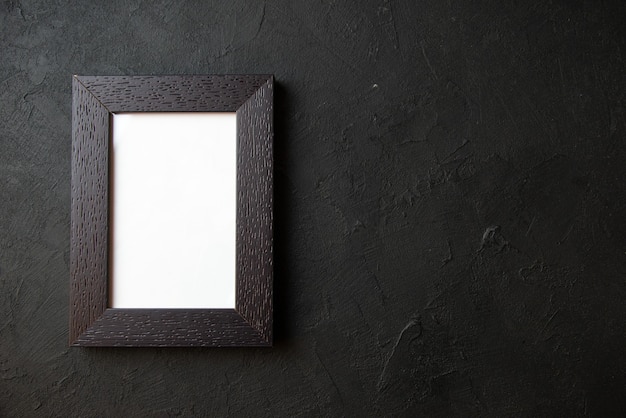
450 207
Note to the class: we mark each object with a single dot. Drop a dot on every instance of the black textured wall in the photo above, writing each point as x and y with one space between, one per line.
450 221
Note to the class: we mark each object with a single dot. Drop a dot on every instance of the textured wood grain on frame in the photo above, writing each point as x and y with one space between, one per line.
95 99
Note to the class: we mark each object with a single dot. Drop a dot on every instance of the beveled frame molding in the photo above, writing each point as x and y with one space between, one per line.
95 100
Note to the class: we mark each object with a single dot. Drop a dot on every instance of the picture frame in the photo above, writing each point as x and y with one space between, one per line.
96 99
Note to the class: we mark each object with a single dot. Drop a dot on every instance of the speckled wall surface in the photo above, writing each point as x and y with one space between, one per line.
450 221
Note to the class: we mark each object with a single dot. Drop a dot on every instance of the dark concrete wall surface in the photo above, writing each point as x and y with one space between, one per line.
450 207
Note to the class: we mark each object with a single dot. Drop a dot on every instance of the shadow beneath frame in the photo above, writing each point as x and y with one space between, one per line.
284 208
283 215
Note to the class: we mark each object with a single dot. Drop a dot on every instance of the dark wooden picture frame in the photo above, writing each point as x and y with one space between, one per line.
95 100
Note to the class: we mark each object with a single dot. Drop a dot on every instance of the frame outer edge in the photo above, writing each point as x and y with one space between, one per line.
89 210
91 323
255 126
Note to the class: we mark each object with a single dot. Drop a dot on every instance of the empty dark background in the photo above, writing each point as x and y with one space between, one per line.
450 207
